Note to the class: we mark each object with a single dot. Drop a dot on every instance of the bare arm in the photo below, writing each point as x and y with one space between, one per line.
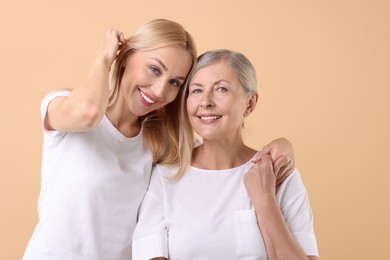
260 184
86 105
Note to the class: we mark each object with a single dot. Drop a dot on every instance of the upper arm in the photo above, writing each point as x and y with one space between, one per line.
295 207
52 116
151 219
63 114
150 237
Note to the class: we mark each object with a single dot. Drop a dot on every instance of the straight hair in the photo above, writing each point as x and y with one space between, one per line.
159 127
246 74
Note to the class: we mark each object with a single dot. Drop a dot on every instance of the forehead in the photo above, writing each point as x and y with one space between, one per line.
220 70
173 57
166 49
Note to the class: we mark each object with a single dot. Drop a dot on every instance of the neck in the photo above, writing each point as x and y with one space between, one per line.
221 155
122 119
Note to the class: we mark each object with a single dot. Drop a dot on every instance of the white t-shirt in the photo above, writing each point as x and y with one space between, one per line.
208 215
92 185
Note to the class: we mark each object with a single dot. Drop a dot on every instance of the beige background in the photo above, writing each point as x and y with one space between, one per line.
324 83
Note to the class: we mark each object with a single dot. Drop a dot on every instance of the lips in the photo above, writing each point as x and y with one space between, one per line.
147 99
209 117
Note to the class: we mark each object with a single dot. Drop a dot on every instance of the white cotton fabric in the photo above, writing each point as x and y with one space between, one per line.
92 185
208 215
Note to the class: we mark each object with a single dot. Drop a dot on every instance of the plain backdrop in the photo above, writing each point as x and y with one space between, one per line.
324 83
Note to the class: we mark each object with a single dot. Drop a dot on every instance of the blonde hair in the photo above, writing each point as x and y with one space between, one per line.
245 73
159 127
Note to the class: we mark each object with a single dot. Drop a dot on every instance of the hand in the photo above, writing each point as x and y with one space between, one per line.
282 155
110 47
260 181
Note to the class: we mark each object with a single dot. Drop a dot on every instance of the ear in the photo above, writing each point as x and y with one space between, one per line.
252 101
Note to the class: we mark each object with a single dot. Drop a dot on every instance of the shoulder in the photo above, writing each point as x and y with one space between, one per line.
164 171
52 95
44 108
160 179
292 186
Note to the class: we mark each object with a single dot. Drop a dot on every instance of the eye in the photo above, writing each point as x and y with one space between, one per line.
175 83
155 70
221 89
196 91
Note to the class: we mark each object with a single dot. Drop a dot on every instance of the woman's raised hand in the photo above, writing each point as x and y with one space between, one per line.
110 47
260 181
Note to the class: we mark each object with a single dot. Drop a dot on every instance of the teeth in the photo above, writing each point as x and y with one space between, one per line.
146 98
210 117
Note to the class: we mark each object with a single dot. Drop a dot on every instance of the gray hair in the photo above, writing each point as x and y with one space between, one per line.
245 73
243 68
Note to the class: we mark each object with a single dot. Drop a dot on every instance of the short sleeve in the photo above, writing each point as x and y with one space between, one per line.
295 207
45 104
150 234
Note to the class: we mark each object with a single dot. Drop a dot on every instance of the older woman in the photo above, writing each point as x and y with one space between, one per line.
223 204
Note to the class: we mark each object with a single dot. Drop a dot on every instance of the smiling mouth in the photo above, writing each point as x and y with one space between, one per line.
209 117
145 98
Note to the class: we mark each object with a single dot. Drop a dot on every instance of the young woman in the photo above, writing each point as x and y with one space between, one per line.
223 204
101 139
100 142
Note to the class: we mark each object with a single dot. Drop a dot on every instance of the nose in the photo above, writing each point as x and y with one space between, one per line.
158 89
207 100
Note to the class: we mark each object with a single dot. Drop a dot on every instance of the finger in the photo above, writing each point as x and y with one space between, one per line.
280 162
266 158
122 38
285 171
109 32
117 34
256 159
265 150
259 158
281 168
282 178
266 162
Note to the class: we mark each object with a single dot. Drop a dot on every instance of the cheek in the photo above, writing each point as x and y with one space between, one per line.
127 80
193 121
237 112
171 95
137 75
190 106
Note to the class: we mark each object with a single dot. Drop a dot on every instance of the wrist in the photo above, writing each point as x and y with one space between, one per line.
265 202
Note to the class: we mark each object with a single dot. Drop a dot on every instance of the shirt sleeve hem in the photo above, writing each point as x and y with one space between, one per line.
44 106
308 243
151 246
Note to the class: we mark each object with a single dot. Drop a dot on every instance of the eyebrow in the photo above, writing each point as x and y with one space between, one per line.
221 80
166 69
215 83
161 63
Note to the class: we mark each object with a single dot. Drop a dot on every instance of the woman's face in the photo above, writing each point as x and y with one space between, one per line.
216 103
153 78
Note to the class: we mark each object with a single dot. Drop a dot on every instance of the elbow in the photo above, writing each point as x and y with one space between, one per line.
90 117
